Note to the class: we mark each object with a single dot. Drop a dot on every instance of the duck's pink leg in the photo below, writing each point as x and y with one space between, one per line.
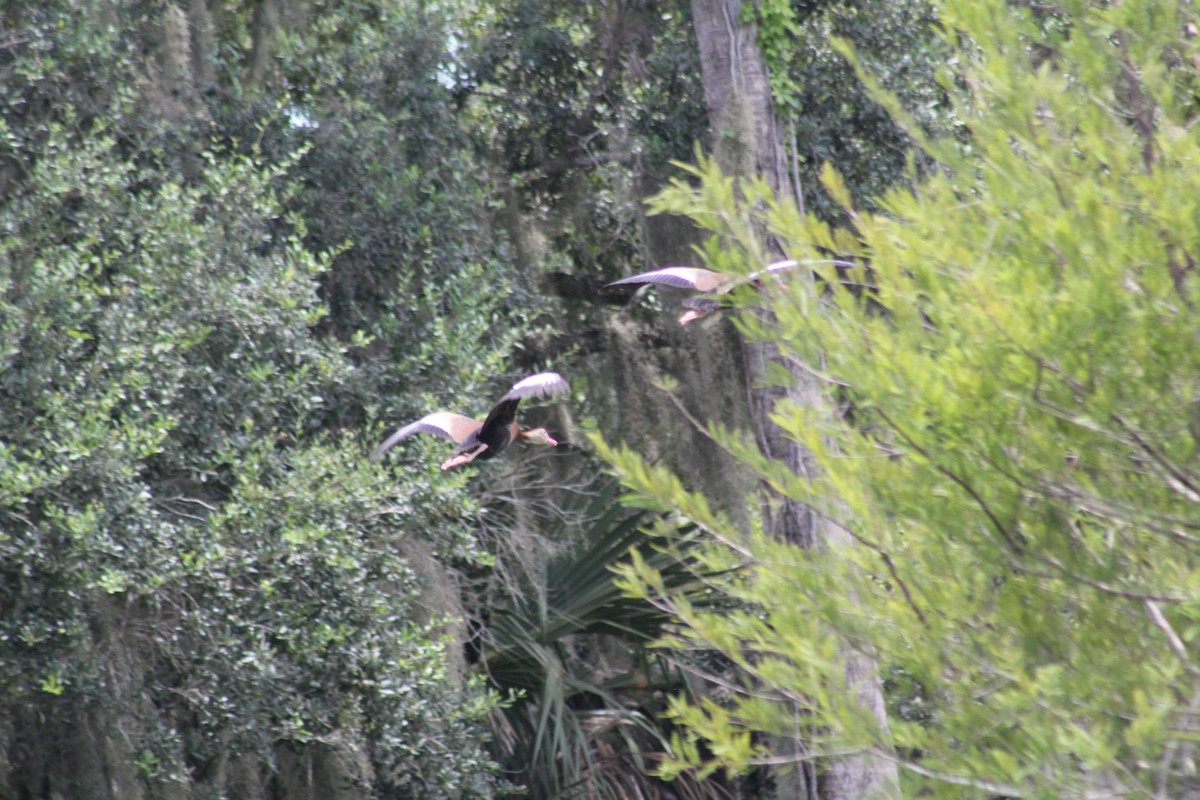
467 457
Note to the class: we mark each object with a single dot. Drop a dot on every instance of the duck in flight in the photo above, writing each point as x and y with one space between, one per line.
709 282
483 440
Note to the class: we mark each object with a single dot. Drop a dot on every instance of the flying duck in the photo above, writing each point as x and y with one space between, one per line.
709 282
483 440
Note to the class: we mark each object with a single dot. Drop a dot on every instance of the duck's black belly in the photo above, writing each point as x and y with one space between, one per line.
496 438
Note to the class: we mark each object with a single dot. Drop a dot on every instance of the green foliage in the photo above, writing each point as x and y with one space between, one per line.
179 535
585 708
52 66
1014 538
390 180
193 549
832 116
573 105
291 537
559 89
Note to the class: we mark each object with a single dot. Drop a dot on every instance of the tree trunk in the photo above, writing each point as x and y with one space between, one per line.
264 30
747 141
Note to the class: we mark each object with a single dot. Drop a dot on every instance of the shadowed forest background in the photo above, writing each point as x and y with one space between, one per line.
918 517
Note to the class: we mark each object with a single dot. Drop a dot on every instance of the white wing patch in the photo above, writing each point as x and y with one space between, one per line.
778 265
540 384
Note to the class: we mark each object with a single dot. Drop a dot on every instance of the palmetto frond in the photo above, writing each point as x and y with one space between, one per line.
586 723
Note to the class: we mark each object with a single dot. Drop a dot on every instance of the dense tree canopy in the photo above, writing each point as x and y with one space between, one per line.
200 571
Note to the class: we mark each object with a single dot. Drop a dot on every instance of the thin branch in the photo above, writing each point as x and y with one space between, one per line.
1064 573
1097 507
796 185
882 553
182 499
1175 478
1172 637
956 780
966 487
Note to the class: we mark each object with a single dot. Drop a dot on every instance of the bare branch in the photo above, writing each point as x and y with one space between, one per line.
1177 480
1172 637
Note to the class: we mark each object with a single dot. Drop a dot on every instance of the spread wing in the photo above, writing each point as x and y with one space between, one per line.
455 427
701 280
779 266
502 415
540 384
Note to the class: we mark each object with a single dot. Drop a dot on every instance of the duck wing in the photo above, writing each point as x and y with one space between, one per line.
697 278
447 424
499 428
540 384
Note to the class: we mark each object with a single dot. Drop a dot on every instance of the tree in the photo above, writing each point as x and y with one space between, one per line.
827 114
205 590
749 143
1017 360
579 109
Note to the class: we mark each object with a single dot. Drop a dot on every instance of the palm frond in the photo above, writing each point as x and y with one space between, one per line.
590 690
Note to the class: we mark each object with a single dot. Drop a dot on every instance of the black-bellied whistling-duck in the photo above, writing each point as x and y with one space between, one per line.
708 282
484 440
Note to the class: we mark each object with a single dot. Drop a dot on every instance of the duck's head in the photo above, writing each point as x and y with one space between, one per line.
538 436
